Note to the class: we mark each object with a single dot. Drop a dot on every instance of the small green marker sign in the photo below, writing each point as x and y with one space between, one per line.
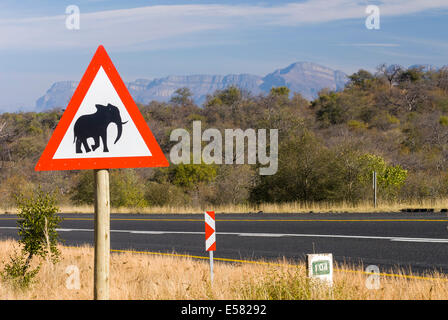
321 267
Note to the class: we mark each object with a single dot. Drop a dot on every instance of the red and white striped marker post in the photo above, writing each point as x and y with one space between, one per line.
210 237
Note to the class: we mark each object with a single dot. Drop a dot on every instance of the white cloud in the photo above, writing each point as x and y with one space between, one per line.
145 27
367 44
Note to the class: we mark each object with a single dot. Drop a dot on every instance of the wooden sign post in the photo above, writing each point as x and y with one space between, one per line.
102 235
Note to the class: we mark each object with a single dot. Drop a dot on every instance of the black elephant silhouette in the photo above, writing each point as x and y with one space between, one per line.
95 126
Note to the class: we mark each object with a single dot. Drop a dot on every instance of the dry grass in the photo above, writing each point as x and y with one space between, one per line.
290 207
142 276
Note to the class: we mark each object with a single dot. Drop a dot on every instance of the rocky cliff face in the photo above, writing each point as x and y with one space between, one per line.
305 78
200 85
57 96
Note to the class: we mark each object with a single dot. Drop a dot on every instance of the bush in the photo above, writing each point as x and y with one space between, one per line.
304 173
9 187
37 231
356 125
233 185
443 121
190 175
17 273
390 178
126 189
329 110
280 91
84 190
37 223
164 194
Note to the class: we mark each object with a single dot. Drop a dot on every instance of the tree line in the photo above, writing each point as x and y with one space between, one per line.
393 121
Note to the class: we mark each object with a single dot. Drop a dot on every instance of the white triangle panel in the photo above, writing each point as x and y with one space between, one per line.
131 143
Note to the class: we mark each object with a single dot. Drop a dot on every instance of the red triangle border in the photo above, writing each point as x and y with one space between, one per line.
46 161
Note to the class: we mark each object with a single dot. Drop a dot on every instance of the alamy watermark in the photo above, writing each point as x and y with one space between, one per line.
373 280
234 147
373 18
73 280
73 19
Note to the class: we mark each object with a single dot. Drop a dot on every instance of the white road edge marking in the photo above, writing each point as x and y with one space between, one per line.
268 235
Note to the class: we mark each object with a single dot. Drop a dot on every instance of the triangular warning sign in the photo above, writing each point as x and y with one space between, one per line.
101 127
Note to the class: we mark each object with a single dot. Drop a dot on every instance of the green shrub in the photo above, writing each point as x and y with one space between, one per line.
443 121
190 175
390 178
84 190
17 272
37 222
392 119
356 125
126 189
165 194
280 91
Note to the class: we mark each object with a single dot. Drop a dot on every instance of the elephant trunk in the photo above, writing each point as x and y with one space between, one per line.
120 130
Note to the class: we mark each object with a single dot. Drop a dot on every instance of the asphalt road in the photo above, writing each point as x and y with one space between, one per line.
406 240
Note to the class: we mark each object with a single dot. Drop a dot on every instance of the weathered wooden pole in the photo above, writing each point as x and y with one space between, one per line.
102 235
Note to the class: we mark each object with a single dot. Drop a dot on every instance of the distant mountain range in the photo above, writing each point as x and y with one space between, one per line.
305 78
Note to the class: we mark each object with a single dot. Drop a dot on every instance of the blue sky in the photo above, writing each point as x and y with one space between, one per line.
148 39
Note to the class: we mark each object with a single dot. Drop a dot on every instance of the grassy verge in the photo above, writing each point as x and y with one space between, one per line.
142 276
290 207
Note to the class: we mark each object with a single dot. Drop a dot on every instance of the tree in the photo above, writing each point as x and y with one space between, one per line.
233 184
126 189
165 194
390 178
361 79
391 73
410 75
37 222
182 96
229 96
443 79
304 173
280 91
83 192
346 169
328 109
190 175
